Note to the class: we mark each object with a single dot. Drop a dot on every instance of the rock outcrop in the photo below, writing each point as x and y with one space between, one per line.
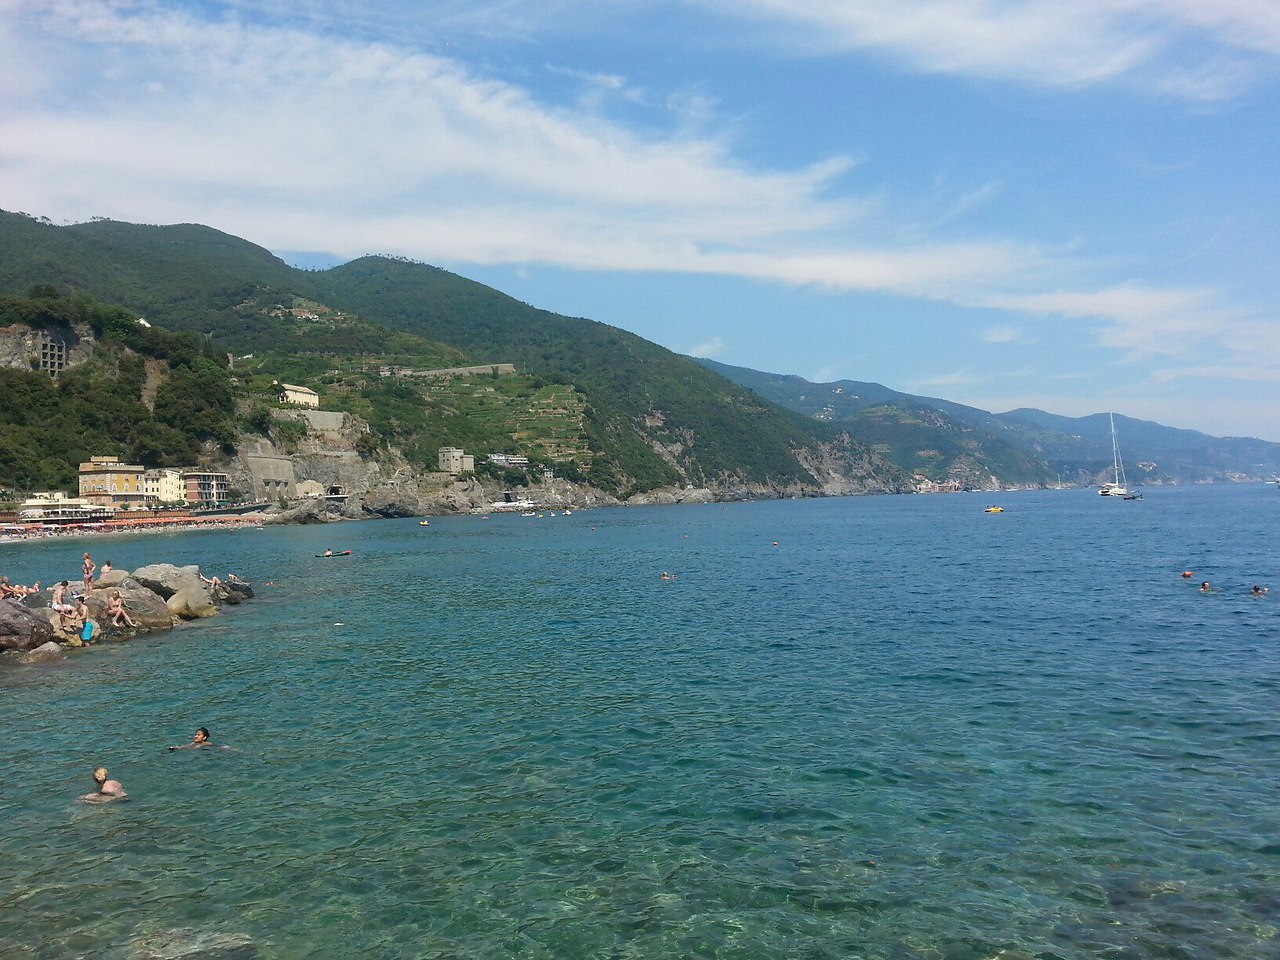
156 597
22 628
191 603
145 607
166 579
45 653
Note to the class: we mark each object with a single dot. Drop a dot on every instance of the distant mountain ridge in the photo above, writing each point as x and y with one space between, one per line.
645 417
1023 445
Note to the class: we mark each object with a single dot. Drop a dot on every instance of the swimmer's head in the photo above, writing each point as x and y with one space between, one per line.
100 775
202 735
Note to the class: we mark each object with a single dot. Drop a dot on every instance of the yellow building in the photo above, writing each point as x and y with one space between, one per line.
107 481
163 485
298 396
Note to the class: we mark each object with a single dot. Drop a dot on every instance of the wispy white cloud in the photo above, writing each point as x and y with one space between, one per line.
288 136
1002 335
1190 48
711 348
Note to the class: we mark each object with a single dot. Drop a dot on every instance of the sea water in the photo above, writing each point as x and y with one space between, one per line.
892 727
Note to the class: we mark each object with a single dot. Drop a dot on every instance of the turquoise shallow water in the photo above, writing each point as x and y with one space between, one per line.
907 730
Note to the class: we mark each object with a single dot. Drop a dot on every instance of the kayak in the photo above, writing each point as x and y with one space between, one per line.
340 553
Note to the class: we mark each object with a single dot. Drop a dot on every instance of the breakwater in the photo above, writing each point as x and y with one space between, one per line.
42 624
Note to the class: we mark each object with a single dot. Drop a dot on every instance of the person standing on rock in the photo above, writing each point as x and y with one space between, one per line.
59 604
86 569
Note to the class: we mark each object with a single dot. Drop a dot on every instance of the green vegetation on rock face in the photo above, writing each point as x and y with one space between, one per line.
641 417
48 427
710 429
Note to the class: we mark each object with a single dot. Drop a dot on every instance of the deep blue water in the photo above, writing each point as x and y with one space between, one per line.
906 729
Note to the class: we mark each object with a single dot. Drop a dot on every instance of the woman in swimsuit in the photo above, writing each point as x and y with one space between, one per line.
86 569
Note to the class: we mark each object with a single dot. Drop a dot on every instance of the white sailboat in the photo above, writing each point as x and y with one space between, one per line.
1119 485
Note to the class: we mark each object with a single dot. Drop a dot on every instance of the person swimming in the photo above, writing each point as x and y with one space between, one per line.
201 739
1260 591
1205 588
107 789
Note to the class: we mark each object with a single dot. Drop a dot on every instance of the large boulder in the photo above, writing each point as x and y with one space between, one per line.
242 588
112 578
146 608
45 653
23 628
191 603
166 579
234 591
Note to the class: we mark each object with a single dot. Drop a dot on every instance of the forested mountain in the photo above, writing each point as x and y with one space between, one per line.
49 426
645 417
1018 445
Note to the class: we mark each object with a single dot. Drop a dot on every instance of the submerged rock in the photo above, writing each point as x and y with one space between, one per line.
189 944
45 653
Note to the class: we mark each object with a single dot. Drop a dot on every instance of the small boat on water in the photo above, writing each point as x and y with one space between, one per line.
424 523
330 553
994 509
1119 486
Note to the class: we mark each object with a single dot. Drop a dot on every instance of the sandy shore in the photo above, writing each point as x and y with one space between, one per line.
144 525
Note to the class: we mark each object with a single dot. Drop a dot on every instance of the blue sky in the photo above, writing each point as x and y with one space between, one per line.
1067 206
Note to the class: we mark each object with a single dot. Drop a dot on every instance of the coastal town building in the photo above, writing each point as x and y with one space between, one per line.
507 460
298 396
108 482
56 507
925 485
453 460
205 487
163 485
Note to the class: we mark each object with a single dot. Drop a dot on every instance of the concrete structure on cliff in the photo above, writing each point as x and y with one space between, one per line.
453 460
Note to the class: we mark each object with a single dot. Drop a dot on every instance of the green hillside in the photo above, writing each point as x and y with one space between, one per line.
631 415
48 427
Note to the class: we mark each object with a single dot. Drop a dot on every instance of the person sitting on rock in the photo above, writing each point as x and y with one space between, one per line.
107 789
16 591
116 610
213 582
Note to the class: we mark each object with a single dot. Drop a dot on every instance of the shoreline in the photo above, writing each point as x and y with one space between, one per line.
116 527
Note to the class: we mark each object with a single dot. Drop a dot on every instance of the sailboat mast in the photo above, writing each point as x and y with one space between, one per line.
1115 449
